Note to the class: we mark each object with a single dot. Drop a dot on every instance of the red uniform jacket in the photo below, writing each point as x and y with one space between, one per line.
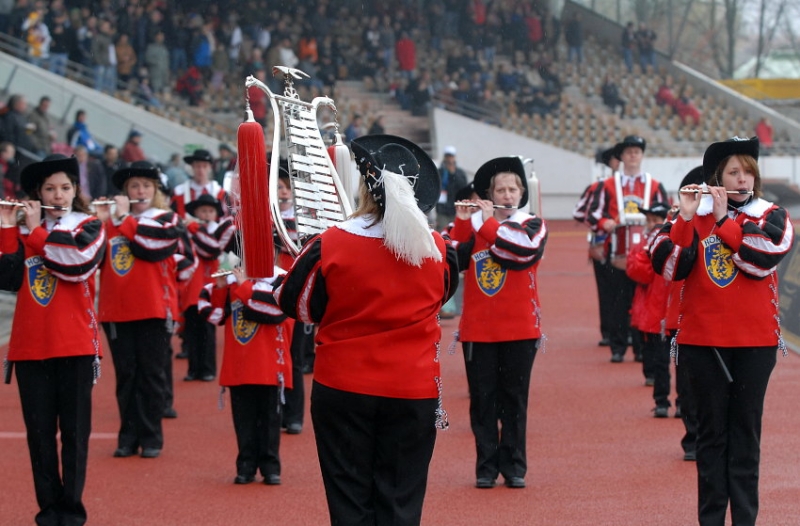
189 191
258 336
378 316
501 294
730 294
649 307
55 315
139 277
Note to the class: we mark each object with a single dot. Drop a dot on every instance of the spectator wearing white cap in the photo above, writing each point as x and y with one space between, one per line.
453 179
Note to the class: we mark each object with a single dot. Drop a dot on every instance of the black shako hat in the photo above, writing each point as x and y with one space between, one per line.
34 174
695 176
605 156
720 151
144 169
375 153
483 177
199 155
204 200
631 140
658 208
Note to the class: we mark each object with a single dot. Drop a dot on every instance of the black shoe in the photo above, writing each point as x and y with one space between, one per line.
182 354
244 479
123 452
678 413
515 482
307 369
616 358
150 452
189 378
294 428
690 455
638 357
661 412
484 483
170 413
649 382
272 480
605 342
208 377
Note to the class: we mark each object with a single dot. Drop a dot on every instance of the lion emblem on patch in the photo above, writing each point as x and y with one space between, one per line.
121 256
488 273
719 261
42 284
243 330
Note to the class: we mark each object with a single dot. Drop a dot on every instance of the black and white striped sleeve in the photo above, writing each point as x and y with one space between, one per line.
74 255
302 294
671 260
763 247
520 246
262 307
155 238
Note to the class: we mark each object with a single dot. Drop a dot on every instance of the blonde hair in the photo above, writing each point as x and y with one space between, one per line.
517 179
158 201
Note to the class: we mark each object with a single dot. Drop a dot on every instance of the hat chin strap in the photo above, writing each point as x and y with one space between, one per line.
406 231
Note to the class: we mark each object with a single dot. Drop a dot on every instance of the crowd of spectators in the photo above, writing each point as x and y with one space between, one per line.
682 103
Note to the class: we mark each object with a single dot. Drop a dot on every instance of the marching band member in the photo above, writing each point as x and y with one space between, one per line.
256 367
55 343
210 235
609 157
619 196
726 244
145 259
376 396
500 248
201 182
303 333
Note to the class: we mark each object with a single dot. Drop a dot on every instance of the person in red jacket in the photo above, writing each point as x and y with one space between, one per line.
55 342
649 309
211 234
375 284
500 248
138 302
726 245
256 366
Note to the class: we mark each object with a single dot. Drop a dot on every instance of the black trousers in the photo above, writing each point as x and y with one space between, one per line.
295 398
56 395
729 428
257 421
656 362
499 377
140 350
200 343
622 288
604 295
374 454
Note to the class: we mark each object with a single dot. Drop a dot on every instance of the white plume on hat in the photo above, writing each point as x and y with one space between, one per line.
406 231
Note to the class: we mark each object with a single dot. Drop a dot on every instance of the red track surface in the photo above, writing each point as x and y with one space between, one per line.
596 455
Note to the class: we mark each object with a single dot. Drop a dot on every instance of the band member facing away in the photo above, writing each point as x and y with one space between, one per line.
146 257
726 245
609 157
55 343
256 367
376 396
618 198
500 249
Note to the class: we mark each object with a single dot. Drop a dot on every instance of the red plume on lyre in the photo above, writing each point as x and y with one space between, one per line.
258 253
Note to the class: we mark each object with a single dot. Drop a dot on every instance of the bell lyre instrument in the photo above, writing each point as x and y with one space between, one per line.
319 195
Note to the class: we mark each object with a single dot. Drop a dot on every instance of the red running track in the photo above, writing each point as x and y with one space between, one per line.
596 455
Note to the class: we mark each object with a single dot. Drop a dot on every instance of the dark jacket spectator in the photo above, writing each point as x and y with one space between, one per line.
14 123
42 130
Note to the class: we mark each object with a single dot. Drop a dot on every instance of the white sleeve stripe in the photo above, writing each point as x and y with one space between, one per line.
264 308
70 256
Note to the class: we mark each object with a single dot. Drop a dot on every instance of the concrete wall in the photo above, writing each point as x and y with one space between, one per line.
563 174
110 120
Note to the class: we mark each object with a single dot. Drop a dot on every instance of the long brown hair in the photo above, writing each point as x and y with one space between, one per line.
79 204
367 204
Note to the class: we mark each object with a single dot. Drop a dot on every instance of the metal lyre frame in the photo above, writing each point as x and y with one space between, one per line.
319 197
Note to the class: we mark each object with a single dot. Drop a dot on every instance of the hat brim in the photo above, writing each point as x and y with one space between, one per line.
719 151
123 174
695 176
428 186
483 177
34 174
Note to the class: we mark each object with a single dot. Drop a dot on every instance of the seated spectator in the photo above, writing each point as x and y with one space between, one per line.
552 83
79 135
611 98
9 172
685 108
14 123
507 79
132 149
190 85
764 133
355 129
665 95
